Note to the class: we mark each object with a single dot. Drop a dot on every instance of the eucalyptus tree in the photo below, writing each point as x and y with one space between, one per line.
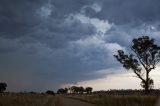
143 58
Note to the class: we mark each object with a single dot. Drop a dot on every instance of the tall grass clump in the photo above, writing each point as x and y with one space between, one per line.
26 99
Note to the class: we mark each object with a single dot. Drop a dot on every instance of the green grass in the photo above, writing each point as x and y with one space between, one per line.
119 100
27 99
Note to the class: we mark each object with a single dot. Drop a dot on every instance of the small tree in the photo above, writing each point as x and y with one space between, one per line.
142 60
3 87
50 92
88 90
62 91
66 90
74 89
80 90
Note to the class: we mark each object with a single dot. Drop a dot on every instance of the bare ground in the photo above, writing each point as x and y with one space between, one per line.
73 102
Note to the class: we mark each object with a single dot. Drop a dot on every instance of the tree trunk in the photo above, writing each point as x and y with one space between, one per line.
146 88
147 83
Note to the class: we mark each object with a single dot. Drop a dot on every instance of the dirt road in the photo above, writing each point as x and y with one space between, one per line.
73 102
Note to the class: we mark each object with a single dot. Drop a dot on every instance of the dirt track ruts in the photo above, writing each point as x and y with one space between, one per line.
73 102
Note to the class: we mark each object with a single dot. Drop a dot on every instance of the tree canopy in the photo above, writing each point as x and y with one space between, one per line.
89 89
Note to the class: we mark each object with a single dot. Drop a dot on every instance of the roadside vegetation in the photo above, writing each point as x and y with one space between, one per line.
119 100
28 99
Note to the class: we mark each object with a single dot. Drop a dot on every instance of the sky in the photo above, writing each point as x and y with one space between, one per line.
47 44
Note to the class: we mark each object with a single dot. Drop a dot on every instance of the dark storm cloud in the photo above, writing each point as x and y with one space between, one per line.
34 35
18 17
129 11
46 43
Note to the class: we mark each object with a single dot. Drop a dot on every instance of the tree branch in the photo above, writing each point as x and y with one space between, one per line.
139 59
139 76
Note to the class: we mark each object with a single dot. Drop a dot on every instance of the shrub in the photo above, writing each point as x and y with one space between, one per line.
50 92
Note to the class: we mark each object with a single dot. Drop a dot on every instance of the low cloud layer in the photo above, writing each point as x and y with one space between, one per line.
44 44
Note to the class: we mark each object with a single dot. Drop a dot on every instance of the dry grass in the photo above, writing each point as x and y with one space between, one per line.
27 99
119 100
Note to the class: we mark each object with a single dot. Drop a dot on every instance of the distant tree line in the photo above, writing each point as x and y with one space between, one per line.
126 92
75 90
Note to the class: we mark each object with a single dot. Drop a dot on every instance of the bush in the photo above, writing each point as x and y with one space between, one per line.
50 92
3 87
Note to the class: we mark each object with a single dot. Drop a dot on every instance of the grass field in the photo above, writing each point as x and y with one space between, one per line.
120 100
27 99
